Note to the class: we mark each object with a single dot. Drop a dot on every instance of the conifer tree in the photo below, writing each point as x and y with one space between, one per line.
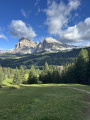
88 73
33 77
45 74
16 79
1 77
56 75
22 74
77 72
46 67
81 66
0 68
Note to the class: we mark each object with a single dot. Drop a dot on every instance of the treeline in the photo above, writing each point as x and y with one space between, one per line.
76 72
39 59
17 75
6 73
79 71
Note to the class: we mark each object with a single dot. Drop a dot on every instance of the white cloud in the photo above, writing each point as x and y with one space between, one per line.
73 4
19 29
49 2
39 10
77 33
3 36
23 13
58 15
37 2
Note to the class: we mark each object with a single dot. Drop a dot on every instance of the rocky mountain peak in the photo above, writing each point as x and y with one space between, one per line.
24 43
49 44
22 39
51 40
24 46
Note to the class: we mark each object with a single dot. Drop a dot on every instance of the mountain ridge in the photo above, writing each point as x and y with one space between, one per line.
49 44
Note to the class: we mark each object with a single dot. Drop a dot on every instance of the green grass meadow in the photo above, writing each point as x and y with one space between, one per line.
43 102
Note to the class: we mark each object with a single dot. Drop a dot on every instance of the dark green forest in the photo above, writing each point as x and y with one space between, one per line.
77 72
39 59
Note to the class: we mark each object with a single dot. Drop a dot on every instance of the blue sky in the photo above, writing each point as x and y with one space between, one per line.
66 20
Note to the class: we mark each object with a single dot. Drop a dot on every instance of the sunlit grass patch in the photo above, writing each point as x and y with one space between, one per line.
7 82
42 102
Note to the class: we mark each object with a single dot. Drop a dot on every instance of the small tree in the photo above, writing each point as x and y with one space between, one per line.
45 74
16 79
22 74
1 77
56 78
33 77
46 67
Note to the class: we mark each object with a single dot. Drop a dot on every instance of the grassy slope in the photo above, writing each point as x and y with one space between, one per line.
42 102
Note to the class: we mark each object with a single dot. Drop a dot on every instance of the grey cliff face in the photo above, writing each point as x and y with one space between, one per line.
24 43
49 44
24 46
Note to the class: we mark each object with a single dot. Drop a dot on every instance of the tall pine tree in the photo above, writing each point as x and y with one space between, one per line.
33 77
22 74
81 66
16 79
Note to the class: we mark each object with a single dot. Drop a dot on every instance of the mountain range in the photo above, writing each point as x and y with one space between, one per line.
49 44
29 53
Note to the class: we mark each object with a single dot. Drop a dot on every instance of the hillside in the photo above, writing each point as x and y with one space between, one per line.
39 59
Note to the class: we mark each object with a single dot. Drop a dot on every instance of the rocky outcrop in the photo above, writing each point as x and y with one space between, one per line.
24 46
50 44
24 43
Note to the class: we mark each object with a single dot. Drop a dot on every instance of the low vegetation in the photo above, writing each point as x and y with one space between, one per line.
43 102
